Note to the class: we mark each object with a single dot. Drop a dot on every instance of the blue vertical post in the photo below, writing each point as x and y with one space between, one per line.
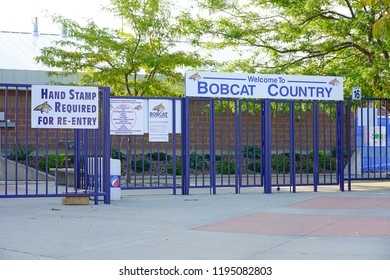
340 129
27 126
212 147
7 143
98 172
315 146
349 141
77 160
186 147
267 147
238 144
17 139
85 153
292 146
107 145
173 144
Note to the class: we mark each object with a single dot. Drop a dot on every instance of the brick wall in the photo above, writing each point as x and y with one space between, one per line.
18 111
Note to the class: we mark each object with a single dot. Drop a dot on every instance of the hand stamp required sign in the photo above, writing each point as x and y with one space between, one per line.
64 107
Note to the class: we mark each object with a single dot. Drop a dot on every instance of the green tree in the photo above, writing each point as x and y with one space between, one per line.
330 37
138 59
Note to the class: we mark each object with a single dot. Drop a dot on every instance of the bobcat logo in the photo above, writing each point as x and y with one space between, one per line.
334 82
195 77
138 107
159 108
44 107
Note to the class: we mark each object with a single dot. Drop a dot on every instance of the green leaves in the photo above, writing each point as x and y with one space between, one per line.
137 60
330 37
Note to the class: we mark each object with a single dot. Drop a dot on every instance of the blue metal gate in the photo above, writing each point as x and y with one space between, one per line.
148 165
367 140
213 143
262 143
50 162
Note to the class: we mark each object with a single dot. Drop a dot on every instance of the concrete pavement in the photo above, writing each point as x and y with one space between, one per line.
143 225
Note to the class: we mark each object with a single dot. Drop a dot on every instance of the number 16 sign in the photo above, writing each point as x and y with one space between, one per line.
356 93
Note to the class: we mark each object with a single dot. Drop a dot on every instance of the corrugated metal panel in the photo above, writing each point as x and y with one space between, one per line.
18 50
17 53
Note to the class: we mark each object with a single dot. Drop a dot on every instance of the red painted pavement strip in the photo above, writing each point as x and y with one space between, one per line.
12 187
304 225
344 203
9 188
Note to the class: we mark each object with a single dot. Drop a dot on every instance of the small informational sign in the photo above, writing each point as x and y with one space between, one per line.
356 93
270 86
64 107
160 115
377 136
126 116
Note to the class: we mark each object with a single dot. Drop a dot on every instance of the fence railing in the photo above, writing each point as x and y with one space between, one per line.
50 162
211 144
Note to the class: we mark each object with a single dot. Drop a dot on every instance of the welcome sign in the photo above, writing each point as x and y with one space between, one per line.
241 85
64 107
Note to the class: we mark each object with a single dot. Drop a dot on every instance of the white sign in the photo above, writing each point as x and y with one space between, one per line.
64 107
376 136
126 116
356 93
241 85
160 115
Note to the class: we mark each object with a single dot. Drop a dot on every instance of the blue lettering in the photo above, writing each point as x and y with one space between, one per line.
202 87
57 107
269 90
44 93
224 89
79 95
302 92
294 93
311 90
320 91
235 92
283 91
71 94
328 90
251 87
215 91
244 90
62 121
266 80
45 120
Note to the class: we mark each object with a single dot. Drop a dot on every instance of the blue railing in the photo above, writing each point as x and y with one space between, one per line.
211 144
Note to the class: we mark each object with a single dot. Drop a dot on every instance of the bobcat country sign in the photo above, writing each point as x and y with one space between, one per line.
272 86
64 107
